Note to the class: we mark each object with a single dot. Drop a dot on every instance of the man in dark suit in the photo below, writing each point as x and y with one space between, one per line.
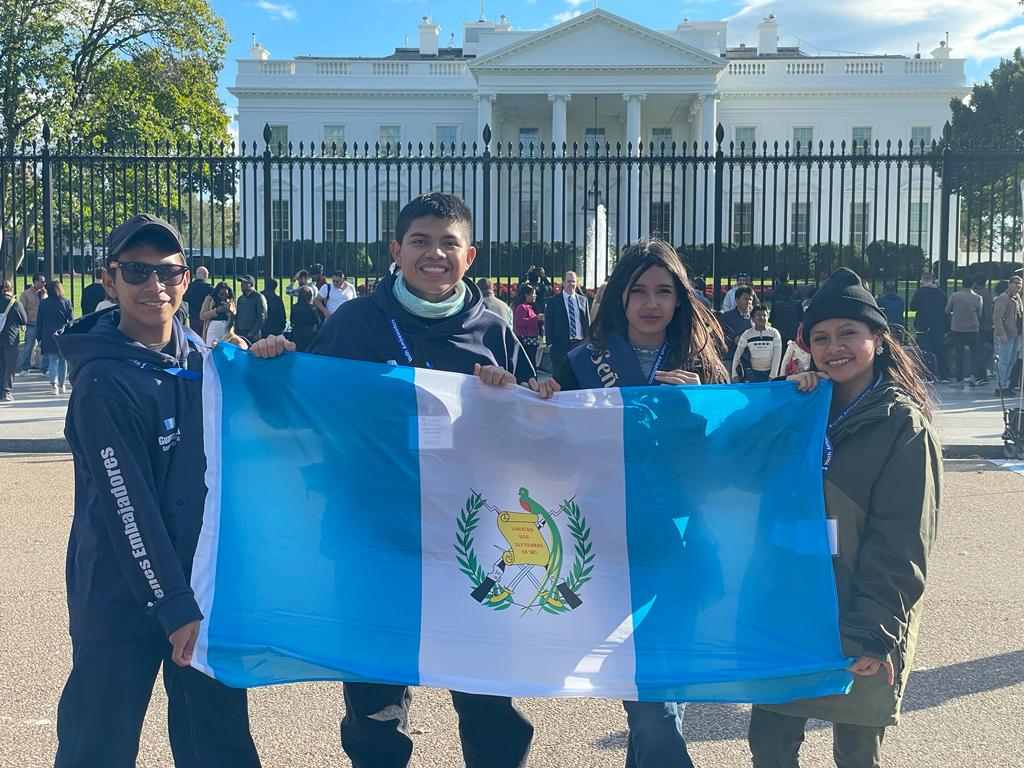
566 319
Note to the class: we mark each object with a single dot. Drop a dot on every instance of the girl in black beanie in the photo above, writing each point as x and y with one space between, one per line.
883 478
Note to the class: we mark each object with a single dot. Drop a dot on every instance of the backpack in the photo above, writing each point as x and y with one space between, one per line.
6 313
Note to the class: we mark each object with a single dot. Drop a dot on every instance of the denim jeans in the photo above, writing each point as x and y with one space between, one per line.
656 735
1008 352
56 368
30 342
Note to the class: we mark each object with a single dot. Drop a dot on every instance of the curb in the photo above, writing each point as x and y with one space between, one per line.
34 445
60 445
972 452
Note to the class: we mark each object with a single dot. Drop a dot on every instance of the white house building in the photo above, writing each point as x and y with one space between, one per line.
599 78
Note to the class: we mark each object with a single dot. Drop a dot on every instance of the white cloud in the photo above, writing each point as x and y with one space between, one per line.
558 18
278 10
576 3
977 30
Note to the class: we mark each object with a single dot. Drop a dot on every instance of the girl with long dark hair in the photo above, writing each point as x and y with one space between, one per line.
883 480
55 314
651 328
218 313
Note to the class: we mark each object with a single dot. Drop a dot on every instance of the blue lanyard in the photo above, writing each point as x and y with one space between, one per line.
181 373
828 450
403 345
662 354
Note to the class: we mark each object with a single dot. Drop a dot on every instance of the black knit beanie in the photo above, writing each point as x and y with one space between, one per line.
842 295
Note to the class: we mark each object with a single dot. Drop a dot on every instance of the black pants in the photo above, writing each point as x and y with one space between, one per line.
775 741
100 714
972 343
934 341
654 737
8 365
375 729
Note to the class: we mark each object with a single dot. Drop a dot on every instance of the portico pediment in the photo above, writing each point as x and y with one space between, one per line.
597 41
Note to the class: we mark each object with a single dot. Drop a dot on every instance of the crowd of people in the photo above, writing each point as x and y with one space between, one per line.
138 510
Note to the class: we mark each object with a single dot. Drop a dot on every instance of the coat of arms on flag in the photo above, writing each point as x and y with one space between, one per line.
531 569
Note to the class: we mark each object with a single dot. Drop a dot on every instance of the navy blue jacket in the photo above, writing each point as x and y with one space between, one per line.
360 330
136 435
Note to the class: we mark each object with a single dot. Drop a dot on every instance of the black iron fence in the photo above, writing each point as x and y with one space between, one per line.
889 211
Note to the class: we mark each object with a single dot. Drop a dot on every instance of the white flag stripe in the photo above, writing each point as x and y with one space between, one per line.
587 650
204 565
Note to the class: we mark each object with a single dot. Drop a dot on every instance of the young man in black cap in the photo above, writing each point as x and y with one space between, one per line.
135 429
426 315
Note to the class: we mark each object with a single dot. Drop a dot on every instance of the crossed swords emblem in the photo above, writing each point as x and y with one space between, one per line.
524 571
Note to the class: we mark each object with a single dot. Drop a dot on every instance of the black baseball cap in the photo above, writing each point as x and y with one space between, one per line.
247 279
123 234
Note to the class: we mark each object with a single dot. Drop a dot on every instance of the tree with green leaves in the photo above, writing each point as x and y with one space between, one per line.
138 75
989 121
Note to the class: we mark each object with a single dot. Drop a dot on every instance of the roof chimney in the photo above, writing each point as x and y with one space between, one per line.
430 33
768 36
942 52
257 51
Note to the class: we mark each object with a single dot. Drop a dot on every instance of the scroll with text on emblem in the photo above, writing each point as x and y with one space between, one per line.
646 557
526 543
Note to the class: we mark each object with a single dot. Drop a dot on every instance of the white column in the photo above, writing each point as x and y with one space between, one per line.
632 137
559 135
708 126
708 121
485 116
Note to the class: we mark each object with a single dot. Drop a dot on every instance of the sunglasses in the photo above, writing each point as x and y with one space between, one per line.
138 272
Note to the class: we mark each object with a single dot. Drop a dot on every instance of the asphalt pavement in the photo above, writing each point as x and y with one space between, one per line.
964 707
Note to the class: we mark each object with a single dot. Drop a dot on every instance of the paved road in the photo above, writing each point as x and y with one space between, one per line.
965 703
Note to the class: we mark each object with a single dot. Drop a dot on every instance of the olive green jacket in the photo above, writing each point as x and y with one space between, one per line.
883 488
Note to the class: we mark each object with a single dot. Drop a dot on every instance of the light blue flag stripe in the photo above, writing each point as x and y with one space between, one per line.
720 524
338 468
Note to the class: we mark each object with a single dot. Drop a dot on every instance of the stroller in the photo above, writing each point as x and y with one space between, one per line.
1013 420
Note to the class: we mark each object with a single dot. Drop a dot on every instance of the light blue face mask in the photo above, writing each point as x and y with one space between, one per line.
429 310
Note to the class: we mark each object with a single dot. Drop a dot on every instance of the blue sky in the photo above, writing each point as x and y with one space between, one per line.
980 30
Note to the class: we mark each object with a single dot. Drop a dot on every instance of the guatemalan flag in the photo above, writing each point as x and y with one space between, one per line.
387 524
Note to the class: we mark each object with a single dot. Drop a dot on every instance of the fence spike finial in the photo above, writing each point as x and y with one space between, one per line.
267 134
720 133
46 132
947 131
487 133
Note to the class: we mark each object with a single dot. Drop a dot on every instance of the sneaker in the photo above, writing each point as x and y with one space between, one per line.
8 398
65 389
54 388
983 381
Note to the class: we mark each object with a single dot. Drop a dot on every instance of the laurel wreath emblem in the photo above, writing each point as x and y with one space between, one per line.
465 552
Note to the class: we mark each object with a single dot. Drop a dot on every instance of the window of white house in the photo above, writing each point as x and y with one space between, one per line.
445 136
334 136
920 226
529 219
530 137
388 218
860 137
661 141
745 135
279 139
800 223
281 220
860 224
390 136
743 223
335 228
803 139
594 141
918 134
661 220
